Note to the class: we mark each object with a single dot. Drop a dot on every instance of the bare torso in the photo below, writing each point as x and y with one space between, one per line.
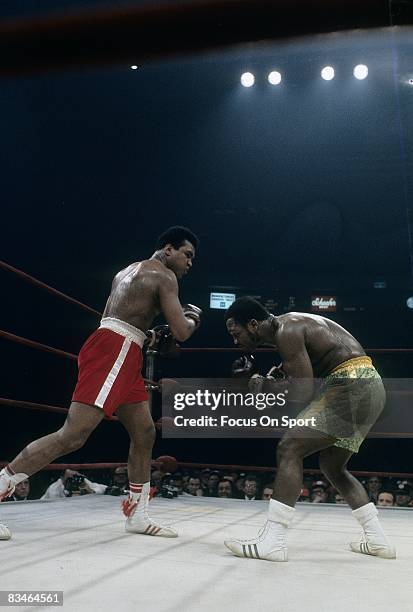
327 343
134 297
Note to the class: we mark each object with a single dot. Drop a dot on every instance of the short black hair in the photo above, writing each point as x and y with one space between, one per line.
176 235
388 491
246 308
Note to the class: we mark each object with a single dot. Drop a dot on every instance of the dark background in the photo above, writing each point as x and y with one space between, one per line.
298 190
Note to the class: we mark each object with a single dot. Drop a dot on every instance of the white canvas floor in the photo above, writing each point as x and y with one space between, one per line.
78 545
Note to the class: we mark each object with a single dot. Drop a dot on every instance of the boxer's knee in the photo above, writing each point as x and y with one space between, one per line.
148 435
71 440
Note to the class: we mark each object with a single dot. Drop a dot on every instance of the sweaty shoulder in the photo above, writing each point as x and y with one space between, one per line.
292 325
153 272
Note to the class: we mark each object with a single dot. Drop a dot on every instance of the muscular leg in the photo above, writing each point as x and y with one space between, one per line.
271 541
291 450
333 464
81 420
137 420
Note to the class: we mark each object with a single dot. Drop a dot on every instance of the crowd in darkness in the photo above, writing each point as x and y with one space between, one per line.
208 482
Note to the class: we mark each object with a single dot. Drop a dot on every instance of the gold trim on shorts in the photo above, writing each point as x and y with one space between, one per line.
356 362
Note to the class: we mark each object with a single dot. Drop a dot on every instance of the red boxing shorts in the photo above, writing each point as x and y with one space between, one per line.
110 363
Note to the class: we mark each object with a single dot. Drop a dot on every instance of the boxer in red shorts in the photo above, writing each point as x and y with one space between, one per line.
110 378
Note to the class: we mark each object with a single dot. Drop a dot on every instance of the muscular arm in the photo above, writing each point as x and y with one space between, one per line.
181 327
296 363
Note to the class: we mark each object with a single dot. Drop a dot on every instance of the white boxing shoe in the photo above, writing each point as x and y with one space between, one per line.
374 541
135 508
5 533
145 526
261 547
385 551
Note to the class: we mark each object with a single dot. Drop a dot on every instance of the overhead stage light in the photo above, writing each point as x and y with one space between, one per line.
327 73
247 79
360 71
274 78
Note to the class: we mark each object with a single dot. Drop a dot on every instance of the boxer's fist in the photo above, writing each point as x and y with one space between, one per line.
243 366
276 373
194 313
256 383
160 339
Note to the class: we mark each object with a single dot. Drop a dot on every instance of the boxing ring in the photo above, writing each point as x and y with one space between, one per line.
79 545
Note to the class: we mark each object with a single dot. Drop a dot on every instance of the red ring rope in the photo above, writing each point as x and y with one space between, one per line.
37 283
212 466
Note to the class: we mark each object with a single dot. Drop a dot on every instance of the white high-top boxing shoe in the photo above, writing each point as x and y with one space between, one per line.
270 544
374 541
136 509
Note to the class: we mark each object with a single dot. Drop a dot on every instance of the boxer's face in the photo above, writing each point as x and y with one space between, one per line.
245 337
180 260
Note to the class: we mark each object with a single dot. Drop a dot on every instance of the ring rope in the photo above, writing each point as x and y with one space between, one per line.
33 344
50 349
212 466
231 349
45 407
38 283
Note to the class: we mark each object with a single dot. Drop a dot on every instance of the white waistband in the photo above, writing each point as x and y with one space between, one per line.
124 329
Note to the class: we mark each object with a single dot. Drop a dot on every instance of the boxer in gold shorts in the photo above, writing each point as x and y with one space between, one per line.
343 396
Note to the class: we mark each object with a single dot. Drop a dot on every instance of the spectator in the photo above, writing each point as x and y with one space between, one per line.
120 477
267 492
205 477
385 498
239 485
212 484
72 483
175 482
250 488
304 495
225 488
21 492
319 493
120 482
403 495
194 486
156 479
338 498
373 487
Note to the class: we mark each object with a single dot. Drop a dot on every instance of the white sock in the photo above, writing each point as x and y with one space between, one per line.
140 494
367 516
279 517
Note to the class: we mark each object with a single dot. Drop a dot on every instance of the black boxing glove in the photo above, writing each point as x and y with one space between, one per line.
273 381
243 366
256 383
160 339
194 313
276 373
